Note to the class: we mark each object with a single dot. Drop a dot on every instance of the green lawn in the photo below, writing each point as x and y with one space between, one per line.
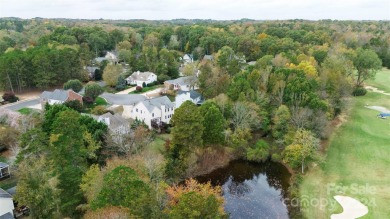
381 81
146 89
25 111
358 155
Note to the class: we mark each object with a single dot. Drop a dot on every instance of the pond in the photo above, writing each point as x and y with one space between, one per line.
252 190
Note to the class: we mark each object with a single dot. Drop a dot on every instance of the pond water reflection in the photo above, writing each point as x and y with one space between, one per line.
252 190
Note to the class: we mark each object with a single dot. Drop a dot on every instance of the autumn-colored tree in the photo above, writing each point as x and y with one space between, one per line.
195 200
302 150
109 212
111 74
38 188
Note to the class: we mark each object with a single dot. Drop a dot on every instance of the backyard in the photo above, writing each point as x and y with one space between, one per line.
357 161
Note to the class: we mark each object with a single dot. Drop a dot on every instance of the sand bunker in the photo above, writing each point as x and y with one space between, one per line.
376 90
379 108
352 208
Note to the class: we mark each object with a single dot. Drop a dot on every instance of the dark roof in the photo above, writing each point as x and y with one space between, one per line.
193 94
7 216
2 165
4 194
57 94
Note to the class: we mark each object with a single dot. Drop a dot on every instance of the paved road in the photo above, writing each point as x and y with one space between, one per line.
22 104
123 99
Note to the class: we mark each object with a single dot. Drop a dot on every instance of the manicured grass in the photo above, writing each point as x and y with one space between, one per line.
100 101
25 111
146 89
381 81
357 155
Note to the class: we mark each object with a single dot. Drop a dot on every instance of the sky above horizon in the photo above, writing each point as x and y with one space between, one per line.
200 9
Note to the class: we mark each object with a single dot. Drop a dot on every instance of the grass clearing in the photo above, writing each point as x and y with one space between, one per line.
381 81
358 155
26 111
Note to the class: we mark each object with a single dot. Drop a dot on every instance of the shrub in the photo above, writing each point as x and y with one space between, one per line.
98 110
75 104
138 88
359 91
162 78
93 90
276 157
10 97
75 85
87 100
143 84
259 152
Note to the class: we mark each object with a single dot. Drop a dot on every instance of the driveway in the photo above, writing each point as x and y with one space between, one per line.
123 99
22 104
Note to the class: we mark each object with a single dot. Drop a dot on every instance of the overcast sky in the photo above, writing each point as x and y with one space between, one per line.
204 9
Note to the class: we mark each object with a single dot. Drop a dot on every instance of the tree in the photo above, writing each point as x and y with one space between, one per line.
195 200
111 74
214 125
280 120
109 212
187 125
367 63
123 187
38 188
75 85
93 90
69 150
244 115
121 84
74 104
259 152
303 149
10 97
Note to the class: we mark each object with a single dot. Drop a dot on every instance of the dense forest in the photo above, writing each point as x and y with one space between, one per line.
284 80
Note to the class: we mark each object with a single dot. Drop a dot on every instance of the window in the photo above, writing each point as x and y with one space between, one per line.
152 114
136 110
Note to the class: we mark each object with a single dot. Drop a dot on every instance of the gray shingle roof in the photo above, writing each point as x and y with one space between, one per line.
2 165
140 76
182 80
4 194
112 121
208 57
57 94
91 69
157 102
7 216
193 94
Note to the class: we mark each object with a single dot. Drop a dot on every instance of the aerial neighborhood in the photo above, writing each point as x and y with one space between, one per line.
191 118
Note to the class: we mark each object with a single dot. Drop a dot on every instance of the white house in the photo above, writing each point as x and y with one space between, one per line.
188 58
59 96
138 78
157 110
182 83
112 57
191 95
6 205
